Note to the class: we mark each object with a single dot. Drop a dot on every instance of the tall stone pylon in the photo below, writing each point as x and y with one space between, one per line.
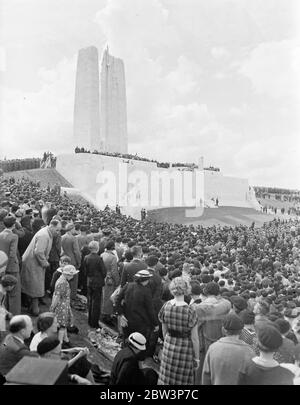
113 111
87 109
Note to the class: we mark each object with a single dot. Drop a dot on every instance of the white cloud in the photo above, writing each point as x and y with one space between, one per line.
37 121
2 59
273 68
219 52
185 78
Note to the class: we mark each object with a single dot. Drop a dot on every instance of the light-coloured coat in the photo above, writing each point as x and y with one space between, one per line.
112 280
224 360
35 262
9 245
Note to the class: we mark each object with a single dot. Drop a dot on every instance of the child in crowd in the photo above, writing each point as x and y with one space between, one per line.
64 261
61 302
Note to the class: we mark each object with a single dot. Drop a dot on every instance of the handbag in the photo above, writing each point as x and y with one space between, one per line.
109 280
115 294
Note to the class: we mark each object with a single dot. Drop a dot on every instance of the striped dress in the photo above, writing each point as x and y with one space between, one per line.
177 354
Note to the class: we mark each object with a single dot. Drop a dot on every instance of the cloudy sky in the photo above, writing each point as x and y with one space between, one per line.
218 78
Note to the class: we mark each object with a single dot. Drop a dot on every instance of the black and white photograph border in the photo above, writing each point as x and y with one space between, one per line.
149 195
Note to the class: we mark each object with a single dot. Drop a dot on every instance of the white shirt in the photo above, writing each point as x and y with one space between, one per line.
37 338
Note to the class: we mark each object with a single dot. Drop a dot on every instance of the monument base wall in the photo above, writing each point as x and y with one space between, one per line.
84 171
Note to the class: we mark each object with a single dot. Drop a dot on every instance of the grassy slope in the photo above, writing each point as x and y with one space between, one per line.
229 216
45 176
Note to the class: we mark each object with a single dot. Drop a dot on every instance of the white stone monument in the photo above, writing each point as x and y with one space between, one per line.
87 109
113 110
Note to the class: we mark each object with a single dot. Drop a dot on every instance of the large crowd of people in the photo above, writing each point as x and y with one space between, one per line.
48 160
279 194
270 209
221 303
164 165
122 155
11 165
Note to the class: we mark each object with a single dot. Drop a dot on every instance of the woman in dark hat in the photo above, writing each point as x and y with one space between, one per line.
135 303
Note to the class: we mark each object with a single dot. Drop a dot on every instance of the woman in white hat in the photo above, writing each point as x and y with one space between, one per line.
61 304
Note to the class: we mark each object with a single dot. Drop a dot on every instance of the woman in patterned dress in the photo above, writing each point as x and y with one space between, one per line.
61 305
180 353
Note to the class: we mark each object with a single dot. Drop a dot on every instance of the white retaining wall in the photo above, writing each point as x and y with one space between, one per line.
84 172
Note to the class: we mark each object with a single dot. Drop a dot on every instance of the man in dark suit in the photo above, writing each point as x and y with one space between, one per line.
54 257
13 348
95 271
9 245
134 266
70 248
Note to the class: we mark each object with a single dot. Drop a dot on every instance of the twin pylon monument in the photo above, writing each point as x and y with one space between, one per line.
100 111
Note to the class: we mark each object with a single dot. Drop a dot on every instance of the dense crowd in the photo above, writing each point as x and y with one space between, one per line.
222 303
11 165
122 155
285 195
270 209
48 160
136 157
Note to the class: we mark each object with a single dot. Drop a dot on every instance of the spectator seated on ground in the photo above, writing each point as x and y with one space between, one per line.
13 348
50 347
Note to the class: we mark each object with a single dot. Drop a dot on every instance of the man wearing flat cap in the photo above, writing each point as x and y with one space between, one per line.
70 247
228 356
264 369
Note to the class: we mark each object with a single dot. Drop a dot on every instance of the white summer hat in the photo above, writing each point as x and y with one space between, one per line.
69 270
137 340
143 275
